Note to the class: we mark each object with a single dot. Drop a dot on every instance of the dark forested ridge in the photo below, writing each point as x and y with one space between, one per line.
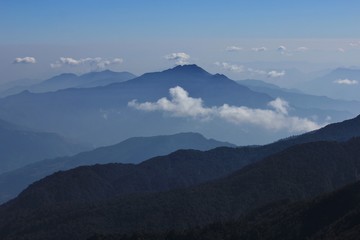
296 173
133 150
333 216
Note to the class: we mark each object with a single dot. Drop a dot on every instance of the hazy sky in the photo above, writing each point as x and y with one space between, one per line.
46 37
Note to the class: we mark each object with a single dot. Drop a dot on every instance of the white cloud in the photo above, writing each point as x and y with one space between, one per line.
97 63
281 49
259 49
302 49
275 74
182 105
25 60
181 58
341 50
231 67
233 49
346 82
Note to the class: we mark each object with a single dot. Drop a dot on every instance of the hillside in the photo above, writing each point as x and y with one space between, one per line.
297 173
133 150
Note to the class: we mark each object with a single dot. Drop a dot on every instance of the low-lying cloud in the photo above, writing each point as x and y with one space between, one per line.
181 104
24 60
346 81
180 58
97 63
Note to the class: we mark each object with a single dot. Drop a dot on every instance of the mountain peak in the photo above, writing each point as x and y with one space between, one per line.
188 68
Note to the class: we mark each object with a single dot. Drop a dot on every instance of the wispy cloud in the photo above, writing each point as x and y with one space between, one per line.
97 63
275 74
231 67
181 104
24 60
242 69
346 82
342 50
259 49
233 49
302 49
180 58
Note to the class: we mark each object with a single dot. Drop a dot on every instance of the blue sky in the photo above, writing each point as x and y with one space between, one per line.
142 32
49 21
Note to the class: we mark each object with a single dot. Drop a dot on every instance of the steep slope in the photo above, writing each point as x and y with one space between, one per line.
330 216
297 173
20 146
133 150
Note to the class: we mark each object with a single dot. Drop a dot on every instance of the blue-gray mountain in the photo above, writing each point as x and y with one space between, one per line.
341 83
20 146
133 150
70 80
101 115
306 104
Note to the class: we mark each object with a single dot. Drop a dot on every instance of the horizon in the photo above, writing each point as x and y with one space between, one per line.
236 38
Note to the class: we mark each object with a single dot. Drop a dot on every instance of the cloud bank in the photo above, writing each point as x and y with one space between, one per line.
181 104
346 82
24 60
97 63
180 58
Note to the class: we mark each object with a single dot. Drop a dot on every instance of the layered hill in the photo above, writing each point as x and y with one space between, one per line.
133 150
96 199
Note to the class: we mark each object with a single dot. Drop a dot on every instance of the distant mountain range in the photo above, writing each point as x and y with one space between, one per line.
133 150
102 116
116 198
328 217
70 80
20 146
307 104
343 83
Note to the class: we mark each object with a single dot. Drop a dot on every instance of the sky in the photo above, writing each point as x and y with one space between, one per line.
43 38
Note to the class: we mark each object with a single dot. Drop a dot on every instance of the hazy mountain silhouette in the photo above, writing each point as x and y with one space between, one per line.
307 104
70 80
328 85
20 146
133 150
